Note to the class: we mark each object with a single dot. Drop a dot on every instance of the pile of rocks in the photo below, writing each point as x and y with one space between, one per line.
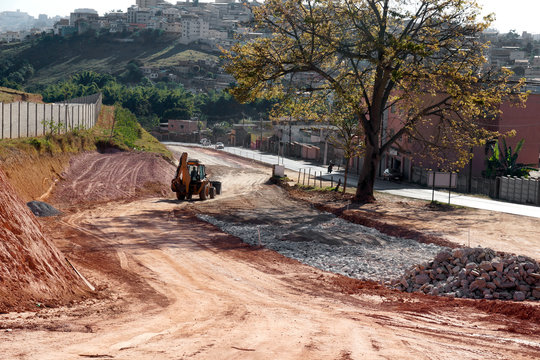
476 273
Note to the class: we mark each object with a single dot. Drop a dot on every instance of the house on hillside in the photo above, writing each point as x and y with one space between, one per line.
90 15
183 126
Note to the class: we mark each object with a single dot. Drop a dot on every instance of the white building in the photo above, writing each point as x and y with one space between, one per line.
137 15
171 14
194 28
11 36
147 3
78 14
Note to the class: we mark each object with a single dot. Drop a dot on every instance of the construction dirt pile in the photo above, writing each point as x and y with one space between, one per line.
33 273
97 177
477 273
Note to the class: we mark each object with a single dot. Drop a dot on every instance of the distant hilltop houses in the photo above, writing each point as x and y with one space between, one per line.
212 23
519 53
217 24
17 25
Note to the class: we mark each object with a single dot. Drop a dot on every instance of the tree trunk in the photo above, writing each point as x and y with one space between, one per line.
366 181
345 175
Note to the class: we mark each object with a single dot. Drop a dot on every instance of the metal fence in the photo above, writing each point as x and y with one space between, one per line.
27 119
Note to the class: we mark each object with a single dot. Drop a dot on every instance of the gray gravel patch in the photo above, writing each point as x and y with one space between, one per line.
337 246
42 209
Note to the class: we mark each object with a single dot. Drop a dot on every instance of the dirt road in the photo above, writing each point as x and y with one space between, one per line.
173 287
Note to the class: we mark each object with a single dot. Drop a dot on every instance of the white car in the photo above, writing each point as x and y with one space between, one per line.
219 145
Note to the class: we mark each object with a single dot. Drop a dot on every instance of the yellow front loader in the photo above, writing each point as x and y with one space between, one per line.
191 179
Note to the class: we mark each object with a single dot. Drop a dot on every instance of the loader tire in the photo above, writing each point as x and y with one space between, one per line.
204 193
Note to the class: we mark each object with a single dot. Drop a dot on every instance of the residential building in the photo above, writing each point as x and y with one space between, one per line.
147 3
194 28
140 16
183 126
83 14
406 153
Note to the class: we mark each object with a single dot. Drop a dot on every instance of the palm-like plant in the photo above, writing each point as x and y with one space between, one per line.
503 161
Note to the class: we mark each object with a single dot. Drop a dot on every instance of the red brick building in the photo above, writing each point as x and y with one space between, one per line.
524 120
183 126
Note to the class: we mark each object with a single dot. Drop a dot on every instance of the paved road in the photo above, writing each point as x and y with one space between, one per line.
400 189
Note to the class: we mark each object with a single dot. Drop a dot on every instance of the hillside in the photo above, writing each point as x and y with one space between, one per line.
11 95
55 58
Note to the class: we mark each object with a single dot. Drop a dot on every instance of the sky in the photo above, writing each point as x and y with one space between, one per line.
519 15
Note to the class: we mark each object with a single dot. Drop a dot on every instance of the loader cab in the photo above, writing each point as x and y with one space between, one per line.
197 171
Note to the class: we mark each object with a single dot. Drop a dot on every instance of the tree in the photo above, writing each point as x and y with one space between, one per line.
347 135
422 57
503 161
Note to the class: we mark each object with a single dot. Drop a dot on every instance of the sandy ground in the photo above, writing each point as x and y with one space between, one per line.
172 287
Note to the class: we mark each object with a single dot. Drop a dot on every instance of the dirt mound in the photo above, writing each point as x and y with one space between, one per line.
11 95
32 271
98 177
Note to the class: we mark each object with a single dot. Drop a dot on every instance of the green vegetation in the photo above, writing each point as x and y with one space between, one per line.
372 57
52 144
61 68
503 161
126 128
150 103
127 134
50 58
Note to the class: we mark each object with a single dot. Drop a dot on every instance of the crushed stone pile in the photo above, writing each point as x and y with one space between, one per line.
32 270
42 209
476 273
335 245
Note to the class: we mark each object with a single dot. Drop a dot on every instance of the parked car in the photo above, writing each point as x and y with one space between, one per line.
219 145
392 174
205 142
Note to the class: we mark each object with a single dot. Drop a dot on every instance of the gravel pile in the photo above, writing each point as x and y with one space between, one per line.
337 246
42 209
475 273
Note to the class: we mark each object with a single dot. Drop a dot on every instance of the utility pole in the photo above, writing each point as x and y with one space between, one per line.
290 136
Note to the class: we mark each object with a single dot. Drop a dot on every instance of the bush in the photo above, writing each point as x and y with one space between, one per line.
126 127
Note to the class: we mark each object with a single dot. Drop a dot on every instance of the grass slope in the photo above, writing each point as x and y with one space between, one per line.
58 58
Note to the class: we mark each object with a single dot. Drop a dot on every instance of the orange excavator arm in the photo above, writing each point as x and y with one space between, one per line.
186 178
182 178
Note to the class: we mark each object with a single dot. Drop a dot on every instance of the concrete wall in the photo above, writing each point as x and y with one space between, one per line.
518 190
27 119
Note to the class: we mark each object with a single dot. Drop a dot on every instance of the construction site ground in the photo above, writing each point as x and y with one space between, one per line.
170 286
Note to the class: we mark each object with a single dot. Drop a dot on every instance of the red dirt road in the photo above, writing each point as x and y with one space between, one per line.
173 287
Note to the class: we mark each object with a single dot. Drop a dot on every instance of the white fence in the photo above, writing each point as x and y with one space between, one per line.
26 119
512 189
518 190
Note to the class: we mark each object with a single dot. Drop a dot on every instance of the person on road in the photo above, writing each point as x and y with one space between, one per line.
330 167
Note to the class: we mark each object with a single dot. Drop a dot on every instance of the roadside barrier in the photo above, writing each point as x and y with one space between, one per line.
27 119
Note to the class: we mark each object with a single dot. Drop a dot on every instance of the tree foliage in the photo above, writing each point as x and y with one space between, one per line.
422 57
148 101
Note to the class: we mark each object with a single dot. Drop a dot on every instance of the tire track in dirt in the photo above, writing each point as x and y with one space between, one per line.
227 300
95 177
220 302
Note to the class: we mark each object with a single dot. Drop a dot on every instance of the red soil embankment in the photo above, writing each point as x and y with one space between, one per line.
33 272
